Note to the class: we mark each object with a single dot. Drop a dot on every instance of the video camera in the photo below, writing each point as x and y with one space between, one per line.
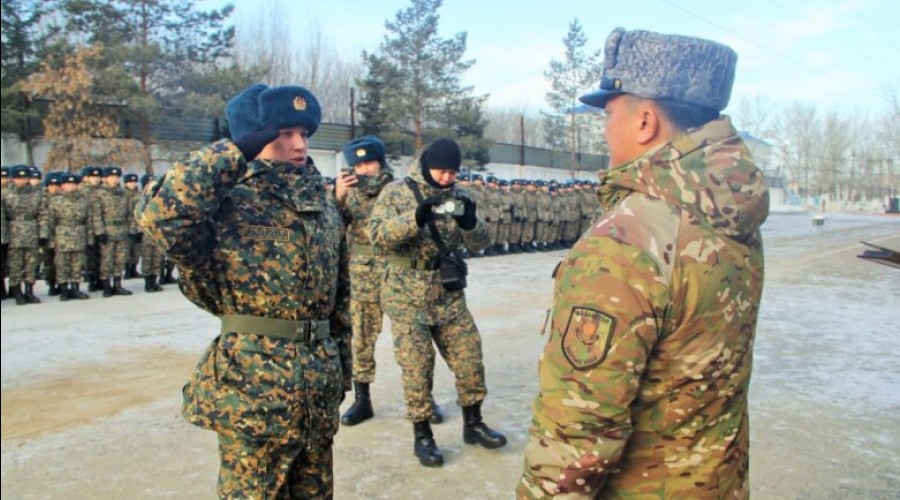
451 206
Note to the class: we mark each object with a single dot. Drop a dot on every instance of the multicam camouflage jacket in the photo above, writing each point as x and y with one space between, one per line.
116 212
257 239
367 266
415 294
644 379
22 210
70 221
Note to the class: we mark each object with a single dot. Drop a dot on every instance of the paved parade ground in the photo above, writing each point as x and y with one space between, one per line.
91 389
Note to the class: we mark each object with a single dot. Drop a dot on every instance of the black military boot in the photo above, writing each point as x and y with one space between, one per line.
17 293
168 279
64 292
117 287
150 284
76 293
475 431
107 288
132 272
29 294
361 410
437 414
93 283
425 448
52 288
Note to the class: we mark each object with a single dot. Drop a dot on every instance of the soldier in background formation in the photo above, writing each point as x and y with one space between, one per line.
59 203
531 215
21 205
152 260
117 215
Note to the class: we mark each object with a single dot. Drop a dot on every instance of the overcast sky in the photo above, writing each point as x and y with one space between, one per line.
838 54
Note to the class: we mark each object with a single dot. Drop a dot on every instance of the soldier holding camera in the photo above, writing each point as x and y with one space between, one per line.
419 222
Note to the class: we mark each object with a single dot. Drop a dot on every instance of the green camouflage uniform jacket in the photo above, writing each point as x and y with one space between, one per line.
366 265
416 295
644 379
116 212
69 221
258 239
22 210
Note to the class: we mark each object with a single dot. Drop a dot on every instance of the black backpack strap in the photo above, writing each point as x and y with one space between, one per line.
435 235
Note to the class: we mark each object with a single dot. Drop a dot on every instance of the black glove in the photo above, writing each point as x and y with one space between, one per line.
103 239
467 220
424 211
43 242
252 143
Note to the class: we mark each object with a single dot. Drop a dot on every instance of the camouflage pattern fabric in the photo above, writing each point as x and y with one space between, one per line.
116 211
258 239
644 379
92 193
422 311
22 210
134 250
151 259
367 268
71 221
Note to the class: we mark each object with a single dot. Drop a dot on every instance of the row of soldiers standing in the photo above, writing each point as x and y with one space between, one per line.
74 227
531 215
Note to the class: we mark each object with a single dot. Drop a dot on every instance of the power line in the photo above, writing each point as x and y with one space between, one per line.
829 35
748 39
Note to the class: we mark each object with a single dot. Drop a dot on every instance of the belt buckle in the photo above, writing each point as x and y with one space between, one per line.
302 331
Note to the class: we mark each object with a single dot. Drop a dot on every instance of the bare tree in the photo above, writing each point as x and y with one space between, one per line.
288 54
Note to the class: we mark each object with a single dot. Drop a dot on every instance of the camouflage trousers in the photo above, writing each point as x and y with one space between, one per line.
528 232
22 265
542 231
113 256
134 253
515 232
69 266
151 259
573 229
270 469
367 322
459 344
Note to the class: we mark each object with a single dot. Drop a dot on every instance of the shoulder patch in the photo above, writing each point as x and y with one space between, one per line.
586 338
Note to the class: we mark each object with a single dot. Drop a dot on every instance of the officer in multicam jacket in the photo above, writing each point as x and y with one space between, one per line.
644 379
21 211
356 193
130 187
70 221
544 215
423 312
258 245
477 191
116 212
151 258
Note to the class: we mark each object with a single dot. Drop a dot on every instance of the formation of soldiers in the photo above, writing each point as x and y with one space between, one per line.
69 229
526 215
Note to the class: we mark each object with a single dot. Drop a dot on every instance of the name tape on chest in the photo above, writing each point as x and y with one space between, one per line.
265 233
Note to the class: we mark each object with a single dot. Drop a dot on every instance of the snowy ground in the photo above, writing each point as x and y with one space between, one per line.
91 389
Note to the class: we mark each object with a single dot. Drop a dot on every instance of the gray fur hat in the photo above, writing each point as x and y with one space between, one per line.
676 68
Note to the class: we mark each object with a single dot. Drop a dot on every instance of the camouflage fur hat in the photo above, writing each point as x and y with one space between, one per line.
675 68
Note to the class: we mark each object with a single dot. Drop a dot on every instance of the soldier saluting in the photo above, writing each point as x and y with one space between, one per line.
258 245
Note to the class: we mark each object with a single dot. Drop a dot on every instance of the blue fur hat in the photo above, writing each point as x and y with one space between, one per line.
112 171
365 148
675 68
242 111
21 172
130 178
67 178
36 173
289 106
92 171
